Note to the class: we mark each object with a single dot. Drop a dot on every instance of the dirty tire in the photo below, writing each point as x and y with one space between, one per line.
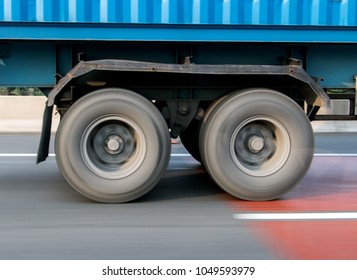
256 144
113 145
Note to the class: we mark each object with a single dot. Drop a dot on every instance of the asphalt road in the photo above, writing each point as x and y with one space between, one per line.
186 216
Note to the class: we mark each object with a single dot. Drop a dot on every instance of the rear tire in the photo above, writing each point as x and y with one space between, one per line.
113 146
256 144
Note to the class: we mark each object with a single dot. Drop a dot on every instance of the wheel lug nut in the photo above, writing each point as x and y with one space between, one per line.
113 144
256 144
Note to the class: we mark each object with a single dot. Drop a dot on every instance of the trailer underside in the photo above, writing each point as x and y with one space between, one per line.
243 110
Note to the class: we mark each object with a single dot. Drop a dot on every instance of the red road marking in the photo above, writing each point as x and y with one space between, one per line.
309 240
330 186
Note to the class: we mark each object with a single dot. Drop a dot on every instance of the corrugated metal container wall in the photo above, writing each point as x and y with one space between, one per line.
247 12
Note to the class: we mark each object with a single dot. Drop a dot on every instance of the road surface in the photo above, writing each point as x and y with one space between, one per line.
186 216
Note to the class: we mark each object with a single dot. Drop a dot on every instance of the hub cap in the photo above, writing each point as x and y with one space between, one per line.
260 146
113 147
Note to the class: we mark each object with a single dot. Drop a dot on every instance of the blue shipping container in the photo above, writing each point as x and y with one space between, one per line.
322 21
250 12
231 21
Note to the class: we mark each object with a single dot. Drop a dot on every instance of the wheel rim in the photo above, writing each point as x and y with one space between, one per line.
260 146
113 146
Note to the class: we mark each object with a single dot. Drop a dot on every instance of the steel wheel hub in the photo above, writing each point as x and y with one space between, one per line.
113 147
260 146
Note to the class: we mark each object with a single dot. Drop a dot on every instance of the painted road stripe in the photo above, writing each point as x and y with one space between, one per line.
335 155
22 155
52 155
296 216
173 155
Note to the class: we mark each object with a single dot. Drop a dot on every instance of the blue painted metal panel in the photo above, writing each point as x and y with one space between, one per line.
176 33
181 20
336 65
287 21
19 66
257 12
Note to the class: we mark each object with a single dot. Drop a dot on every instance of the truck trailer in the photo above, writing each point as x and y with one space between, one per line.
239 81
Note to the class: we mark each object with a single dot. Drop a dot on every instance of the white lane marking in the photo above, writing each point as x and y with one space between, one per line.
296 216
52 155
335 155
315 155
173 155
22 155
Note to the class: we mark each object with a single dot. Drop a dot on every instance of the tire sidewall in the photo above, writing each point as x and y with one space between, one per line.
111 102
230 114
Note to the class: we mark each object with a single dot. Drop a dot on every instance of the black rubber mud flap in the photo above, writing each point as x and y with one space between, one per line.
44 145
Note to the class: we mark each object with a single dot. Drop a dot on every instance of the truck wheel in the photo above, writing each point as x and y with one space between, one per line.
113 145
256 144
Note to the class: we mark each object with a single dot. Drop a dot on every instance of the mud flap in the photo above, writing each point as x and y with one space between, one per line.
44 145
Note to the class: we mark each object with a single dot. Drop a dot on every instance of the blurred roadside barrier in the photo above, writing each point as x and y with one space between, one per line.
338 107
24 114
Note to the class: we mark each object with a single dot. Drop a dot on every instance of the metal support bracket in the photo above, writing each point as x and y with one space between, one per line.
312 111
181 113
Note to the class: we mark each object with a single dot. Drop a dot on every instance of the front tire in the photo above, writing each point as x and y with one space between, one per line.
256 144
113 146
